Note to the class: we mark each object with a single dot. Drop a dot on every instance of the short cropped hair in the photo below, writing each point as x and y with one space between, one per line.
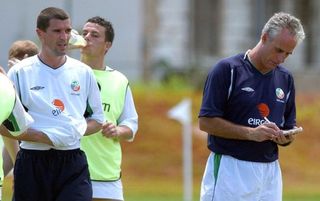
48 14
109 32
281 21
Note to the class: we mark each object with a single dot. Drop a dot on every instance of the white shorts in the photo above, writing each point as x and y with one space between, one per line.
231 179
109 190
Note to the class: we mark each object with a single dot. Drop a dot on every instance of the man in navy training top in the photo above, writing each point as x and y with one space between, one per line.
248 100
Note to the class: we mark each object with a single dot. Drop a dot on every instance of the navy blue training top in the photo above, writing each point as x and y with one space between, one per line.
236 91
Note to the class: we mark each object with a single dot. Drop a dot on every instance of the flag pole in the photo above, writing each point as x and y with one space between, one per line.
182 113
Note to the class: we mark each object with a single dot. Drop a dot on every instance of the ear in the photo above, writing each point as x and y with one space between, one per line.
39 32
264 37
108 46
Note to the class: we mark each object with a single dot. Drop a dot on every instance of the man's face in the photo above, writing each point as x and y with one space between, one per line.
55 38
276 50
95 37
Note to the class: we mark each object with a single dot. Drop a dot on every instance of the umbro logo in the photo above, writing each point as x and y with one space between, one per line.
247 89
37 88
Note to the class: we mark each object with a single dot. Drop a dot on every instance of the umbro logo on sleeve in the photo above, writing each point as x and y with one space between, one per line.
37 88
247 89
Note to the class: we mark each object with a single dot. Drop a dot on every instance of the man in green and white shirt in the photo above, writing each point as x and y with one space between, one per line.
104 150
11 111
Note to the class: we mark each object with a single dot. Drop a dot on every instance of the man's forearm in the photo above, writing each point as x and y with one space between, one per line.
31 135
92 127
223 128
12 147
35 136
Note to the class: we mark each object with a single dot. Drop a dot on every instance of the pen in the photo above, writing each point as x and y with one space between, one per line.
267 120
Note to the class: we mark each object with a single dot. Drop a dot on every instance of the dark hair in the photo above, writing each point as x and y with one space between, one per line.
109 32
50 13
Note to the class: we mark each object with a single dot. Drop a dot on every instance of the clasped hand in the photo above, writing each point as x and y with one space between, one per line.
110 130
270 131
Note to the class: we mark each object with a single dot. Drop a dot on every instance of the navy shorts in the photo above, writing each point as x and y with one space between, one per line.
52 175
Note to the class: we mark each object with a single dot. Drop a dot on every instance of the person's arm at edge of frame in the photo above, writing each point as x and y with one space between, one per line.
30 134
9 152
226 129
12 147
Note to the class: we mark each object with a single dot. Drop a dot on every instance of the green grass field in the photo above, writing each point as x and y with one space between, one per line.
172 191
161 190
152 164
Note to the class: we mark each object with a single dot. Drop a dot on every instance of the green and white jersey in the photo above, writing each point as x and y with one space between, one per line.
13 115
104 154
57 100
7 94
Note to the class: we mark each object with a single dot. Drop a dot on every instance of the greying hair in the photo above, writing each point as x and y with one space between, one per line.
281 21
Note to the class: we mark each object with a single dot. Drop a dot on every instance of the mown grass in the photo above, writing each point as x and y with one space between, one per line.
152 164
172 191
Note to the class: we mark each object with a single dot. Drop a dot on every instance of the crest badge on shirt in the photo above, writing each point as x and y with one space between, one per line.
75 86
280 95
